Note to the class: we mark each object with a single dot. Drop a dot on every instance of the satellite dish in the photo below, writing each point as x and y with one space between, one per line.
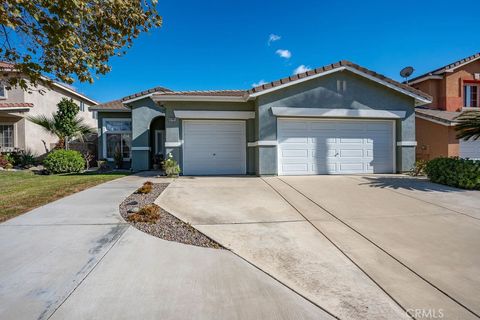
406 72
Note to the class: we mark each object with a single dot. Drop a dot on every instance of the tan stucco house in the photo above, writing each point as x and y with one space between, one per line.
454 89
16 132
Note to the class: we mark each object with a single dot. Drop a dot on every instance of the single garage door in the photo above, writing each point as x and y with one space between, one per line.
470 149
335 146
214 147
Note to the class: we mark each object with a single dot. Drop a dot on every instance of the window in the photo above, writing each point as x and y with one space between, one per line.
6 135
117 138
94 115
82 106
471 96
3 91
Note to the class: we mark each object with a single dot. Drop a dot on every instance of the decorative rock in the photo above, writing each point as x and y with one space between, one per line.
133 210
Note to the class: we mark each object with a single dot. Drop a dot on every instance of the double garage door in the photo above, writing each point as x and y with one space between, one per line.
305 147
309 147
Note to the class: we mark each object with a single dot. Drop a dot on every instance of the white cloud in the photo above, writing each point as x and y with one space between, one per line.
301 68
259 83
284 53
273 37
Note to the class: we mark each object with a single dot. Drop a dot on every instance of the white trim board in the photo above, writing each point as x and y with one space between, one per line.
452 124
263 143
336 113
406 143
193 114
174 144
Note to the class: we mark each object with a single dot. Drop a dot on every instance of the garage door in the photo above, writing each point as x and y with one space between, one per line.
335 147
214 147
470 149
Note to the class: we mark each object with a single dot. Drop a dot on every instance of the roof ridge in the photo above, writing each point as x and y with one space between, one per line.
447 66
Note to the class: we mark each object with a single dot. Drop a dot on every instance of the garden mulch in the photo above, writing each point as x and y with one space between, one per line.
167 227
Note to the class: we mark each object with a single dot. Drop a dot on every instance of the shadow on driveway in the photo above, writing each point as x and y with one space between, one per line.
407 183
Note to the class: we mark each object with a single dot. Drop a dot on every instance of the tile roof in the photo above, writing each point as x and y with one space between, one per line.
207 93
6 65
443 69
448 117
115 105
340 64
7 105
158 91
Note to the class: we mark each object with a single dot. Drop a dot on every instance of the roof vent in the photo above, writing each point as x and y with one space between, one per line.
477 76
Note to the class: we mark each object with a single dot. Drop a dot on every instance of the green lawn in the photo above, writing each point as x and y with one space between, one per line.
22 191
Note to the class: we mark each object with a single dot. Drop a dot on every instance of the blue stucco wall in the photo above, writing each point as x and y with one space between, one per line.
328 92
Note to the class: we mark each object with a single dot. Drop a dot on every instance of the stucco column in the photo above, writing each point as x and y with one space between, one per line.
143 112
406 143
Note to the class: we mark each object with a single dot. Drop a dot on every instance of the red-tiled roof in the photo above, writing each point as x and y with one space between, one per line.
343 63
6 105
145 92
6 65
443 69
115 105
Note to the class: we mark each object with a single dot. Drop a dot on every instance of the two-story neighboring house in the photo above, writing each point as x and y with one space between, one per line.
16 131
454 88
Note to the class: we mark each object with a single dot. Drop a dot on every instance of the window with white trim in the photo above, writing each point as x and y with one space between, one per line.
6 135
82 106
470 96
3 91
117 137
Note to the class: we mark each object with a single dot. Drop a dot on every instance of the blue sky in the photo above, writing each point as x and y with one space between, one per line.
224 44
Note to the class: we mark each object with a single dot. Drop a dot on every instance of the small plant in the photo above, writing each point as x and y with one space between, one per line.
64 161
455 172
146 188
11 158
149 214
118 158
4 161
27 158
171 167
419 168
102 164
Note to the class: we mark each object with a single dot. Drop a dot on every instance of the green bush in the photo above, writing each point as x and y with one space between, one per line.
455 172
171 167
64 161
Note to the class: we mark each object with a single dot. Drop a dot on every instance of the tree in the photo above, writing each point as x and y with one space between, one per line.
69 38
468 125
65 123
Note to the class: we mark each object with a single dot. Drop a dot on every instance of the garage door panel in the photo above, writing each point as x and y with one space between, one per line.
336 146
470 149
214 147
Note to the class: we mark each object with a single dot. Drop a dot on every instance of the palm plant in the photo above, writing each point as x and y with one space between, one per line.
468 125
64 124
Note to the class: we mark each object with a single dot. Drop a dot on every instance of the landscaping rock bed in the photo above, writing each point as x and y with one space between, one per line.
167 226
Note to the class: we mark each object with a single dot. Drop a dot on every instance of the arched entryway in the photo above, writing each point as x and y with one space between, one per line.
157 141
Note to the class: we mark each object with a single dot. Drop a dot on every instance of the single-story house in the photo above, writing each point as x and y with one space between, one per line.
336 119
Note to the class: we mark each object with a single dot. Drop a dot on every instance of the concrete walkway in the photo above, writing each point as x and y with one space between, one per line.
77 259
369 247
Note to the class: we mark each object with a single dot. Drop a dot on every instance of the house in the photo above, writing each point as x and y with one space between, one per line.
454 88
16 131
337 119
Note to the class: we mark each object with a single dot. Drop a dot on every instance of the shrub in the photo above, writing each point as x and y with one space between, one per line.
171 167
149 214
11 158
419 168
27 158
4 161
455 172
64 161
146 188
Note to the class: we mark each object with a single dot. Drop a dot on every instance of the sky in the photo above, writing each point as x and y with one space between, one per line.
215 44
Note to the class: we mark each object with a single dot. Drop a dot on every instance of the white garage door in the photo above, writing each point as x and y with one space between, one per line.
214 147
470 149
335 146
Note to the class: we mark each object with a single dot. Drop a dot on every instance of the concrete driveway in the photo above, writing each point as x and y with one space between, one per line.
76 258
362 247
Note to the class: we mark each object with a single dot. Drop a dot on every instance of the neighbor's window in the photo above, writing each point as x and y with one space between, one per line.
94 115
118 136
6 135
471 96
3 92
82 106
